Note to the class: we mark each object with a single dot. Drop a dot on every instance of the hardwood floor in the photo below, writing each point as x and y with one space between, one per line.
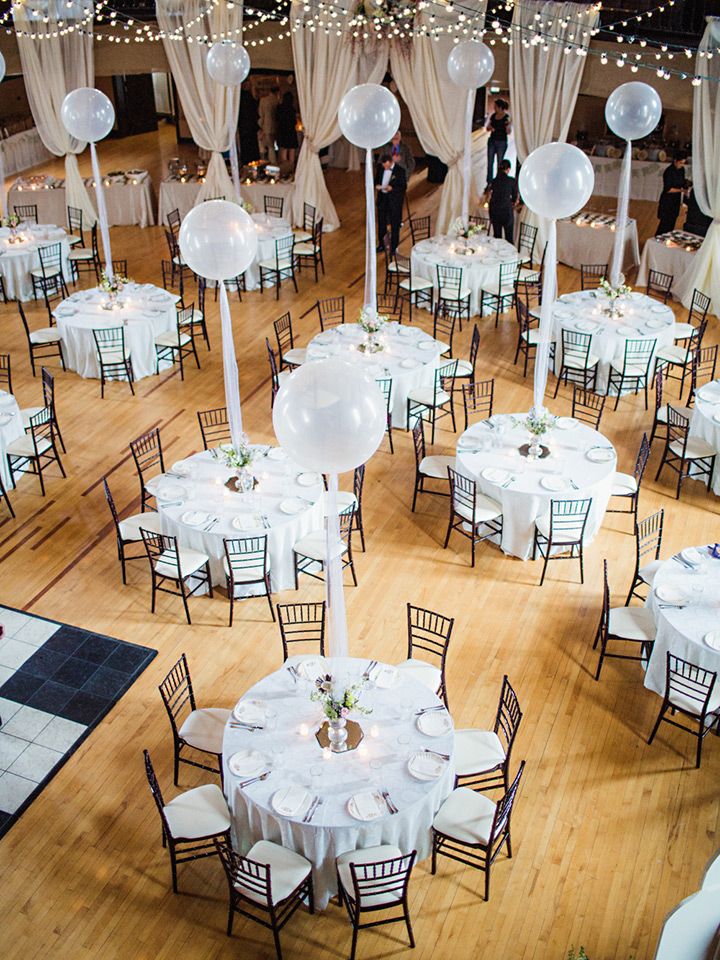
609 834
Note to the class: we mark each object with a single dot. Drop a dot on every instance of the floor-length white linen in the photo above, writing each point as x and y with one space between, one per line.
705 275
208 106
705 424
52 68
333 830
10 429
674 260
544 80
18 259
579 243
127 203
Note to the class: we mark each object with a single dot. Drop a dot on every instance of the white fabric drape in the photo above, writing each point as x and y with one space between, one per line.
544 84
326 67
208 106
52 67
705 275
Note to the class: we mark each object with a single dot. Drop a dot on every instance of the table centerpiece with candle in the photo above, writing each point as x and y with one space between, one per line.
338 701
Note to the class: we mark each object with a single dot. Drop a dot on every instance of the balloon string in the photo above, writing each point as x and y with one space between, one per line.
621 217
334 591
549 292
102 211
230 370
467 161
370 260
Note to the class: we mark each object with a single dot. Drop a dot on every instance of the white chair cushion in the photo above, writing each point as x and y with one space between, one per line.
39 275
170 339
82 253
73 240
196 317
532 335
416 284
287 870
313 546
436 466
693 706
464 369
179 262
244 574
696 449
306 249
447 294
345 500
45 335
568 533
204 729
424 673
130 526
577 360
201 812
631 370
285 263
681 331
190 561
393 268
301 236
662 412
427 396
26 413
466 816
673 355
649 570
633 623
296 356
23 447
485 509
525 275
624 485
477 751
114 356
493 287
386 851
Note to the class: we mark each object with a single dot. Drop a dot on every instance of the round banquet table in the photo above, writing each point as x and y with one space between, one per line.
268 229
481 269
681 629
197 486
409 358
143 309
10 429
583 312
705 423
488 453
380 763
18 259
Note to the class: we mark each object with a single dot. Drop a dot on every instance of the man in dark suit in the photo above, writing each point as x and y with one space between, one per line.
503 198
390 187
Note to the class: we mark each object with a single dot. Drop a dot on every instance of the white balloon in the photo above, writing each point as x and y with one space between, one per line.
87 114
228 63
369 115
633 110
218 240
2 68
329 416
470 64
556 180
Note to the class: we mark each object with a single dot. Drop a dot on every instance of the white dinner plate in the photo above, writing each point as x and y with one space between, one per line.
600 454
308 479
654 324
291 801
169 491
310 668
277 453
409 332
566 423
247 763
426 766
712 639
246 521
367 805
709 393
467 440
692 556
325 337
659 309
628 331
427 345
435 723
553 483
195 518
563 314
670 594
408 363
250 711
495 474
586 326
293 505
181 468
384 676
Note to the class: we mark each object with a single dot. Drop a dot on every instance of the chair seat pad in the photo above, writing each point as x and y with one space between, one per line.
48 275
466 816
568 533
170 339
130 526
284 263
428 397
345 500
190 561
179 262
45 335
386 851
681 331
416 284
296 356
578 361
196 317
495 290
485 509
82 253
23 446
423 672
394 268
632 623
201 812
464 369
306 249
446 293
674 355
694 706
633 370
287 870
114 356
528 275
313 546
696 449
204 729
243 573
533 336
624 485
73 240
301 236
477 751
26 413
436 466
648 572
662 412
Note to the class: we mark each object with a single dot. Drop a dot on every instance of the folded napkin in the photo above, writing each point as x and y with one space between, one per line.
289 801
366 805
427 764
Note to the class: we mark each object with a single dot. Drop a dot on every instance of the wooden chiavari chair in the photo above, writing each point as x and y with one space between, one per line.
526 242
43 343
171 564
302 623
311 550
563 526
587 407
452 294
648 543
75 226
434 403
627 485
390 306
482 757
281 267
48 389
591 274
28 212
684 453
385 385
689 692
273 206
680 357
191 317
478 398
289 354
34 452
214 427
113 356
86 259
127 531
148 456
49 279
697 314
634 625
276 376
246 564
309 217
5 372
345 500
500 294
428 642
411 289
472 514
578 364
420 229
310 253
428 467
331 312
659 285
703 366
633 372
174 220
178 345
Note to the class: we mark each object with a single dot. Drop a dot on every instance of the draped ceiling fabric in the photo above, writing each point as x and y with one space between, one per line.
52 67
544 84
705 275
208 106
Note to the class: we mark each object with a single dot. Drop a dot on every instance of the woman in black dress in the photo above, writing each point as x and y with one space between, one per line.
287 139
500 127
671 196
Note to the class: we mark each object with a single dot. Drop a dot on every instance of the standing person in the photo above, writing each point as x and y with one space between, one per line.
503 198
500 127
390 186
287 137
671 196
401 154
268 122
248 125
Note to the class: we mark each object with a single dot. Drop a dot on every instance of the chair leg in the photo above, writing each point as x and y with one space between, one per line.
184 600
657 722
545 565
173 867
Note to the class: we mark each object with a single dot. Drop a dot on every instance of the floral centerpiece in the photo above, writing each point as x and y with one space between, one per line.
238 457
614 293
537 425
13 222
373 324
338 701
113 287
247 206
461 230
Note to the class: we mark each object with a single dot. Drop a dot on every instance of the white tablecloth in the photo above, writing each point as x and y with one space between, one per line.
10 429
204 490
705 423
646 181
681 630
18 259
268 229
127 203
525 498
480 269
23 150
577 311
333 830
403 360
146 311
255 192
673 259
182 196
587 243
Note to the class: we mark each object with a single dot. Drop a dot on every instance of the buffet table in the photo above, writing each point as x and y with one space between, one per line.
672 253
645 179
589 238
182 195
129 199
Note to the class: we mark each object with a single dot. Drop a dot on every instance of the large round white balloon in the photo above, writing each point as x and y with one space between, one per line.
329 416
218 240
87 114
228 63
471 64
2 68
556 180
633 110
369 115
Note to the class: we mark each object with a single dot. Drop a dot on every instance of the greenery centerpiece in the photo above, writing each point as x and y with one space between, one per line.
373 324
463 231
338 700
238 457
537 425
247 206
614 293
113 287
12 221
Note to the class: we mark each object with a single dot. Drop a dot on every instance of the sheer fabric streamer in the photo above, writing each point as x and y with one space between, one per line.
102 210
542 356
467 156
3 205
621 218
370 259
334 591
230 370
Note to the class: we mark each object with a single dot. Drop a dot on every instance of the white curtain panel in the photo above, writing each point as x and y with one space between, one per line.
544 84
326 67
52 67
208 106
705 275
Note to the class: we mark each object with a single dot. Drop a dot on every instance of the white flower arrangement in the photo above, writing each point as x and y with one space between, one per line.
459 229
611 292
238 457
247 206
372 322
336 699
537 424
112 284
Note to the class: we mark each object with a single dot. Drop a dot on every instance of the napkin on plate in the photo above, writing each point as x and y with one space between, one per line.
289 801
427 764
366 805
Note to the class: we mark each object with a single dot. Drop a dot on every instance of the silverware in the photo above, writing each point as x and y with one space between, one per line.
436 753
310 810
672 606
237 725
429 709
210 525
246 783
171 503
508 482
682 562
293 671
318 803
390 805
370 667
574 485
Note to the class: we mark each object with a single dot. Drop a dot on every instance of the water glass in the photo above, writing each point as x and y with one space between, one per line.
315 777
271 719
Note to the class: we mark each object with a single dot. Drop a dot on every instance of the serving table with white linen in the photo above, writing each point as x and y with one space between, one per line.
392 746
672 253
646 177
705 423
409 358
255 192
589 238
22 150
685 602
144 310
129 199
177 194
480 257
18 259
581 465
639 317
11 428
198 509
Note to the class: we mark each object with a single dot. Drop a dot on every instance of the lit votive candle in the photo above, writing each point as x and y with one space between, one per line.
327 753
304 730
362 751
375 731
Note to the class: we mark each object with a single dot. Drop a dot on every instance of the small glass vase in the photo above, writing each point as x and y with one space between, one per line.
337 734
535 447
245 481
14 235
111 301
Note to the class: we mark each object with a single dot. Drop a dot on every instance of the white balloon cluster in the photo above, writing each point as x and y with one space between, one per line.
87 114
218 240
369 115
633 110
228 63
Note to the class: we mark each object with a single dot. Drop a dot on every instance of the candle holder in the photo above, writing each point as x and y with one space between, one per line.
347 735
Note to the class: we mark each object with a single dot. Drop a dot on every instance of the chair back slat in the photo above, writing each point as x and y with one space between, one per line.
302 623
176 691
246 555
478 398
147 451
331 312
386 879
508 716
648 536
568 519
428 632
214 426
503 810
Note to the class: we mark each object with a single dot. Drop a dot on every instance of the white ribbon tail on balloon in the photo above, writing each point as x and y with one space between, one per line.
234 163
334 590
545 336
230 370
370 259
467 156
621 218
102 210
3 205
